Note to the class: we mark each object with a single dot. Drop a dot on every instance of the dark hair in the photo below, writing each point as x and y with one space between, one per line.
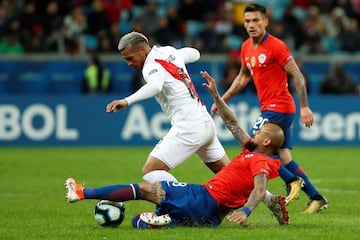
254 7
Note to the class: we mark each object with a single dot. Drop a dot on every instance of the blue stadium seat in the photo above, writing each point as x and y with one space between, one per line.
193 28
125 24
136 12
330 45
277 7
235 41
91 42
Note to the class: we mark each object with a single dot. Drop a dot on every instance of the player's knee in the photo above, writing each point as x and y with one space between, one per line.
158 176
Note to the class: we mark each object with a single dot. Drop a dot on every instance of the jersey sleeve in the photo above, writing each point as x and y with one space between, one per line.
189 54
260 166
282 53
153 86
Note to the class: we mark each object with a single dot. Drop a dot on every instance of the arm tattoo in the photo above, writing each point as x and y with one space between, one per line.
299 82
258 193
157 192
230 121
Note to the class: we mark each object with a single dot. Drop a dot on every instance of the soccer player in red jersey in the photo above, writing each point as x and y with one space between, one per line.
267 60
240 184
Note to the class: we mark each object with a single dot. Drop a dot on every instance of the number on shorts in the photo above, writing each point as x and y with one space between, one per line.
260 121
179 184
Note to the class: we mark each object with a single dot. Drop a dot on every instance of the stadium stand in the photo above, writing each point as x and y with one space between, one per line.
44 27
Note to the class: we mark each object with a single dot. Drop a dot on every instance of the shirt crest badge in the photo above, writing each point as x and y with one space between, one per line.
253 61
262 58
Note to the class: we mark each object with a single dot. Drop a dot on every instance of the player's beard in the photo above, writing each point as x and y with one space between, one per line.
251 146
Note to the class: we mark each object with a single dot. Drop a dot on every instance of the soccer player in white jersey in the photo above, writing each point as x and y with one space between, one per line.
192 128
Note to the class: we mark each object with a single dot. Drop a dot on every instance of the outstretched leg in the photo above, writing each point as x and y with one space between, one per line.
117 193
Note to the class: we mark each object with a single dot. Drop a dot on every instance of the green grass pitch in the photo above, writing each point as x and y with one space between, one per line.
33 205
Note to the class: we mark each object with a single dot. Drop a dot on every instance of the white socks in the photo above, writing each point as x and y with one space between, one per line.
267 199
159 175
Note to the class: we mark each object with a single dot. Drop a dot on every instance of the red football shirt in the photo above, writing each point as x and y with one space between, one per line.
232 186
265 64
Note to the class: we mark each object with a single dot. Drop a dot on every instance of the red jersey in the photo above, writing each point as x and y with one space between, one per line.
265 64
232 186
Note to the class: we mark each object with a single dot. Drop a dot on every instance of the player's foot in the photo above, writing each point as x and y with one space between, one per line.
293 189
153 219
74 190
317 205
150 220
278 210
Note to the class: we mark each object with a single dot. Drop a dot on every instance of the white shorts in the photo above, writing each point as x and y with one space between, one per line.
181 142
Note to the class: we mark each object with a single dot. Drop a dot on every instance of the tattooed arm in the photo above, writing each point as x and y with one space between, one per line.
299 81
152 192
305 112
224 111
258 193
256 196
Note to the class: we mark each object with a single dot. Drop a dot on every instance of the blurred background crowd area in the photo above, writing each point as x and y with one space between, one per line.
213 26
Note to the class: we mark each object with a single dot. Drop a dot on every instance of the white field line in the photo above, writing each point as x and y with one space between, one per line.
355 181
342 191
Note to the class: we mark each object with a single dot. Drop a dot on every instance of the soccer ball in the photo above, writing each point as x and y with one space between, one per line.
109 214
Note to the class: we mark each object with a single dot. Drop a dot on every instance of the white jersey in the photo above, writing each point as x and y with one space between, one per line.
171 93
193 130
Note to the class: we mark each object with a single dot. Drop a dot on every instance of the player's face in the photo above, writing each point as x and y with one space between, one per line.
134 57
255 24
260 135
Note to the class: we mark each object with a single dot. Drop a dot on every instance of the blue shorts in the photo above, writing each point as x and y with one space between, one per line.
189 205
284 119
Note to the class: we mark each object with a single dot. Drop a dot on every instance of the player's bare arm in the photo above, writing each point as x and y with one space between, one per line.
224 111
238 84
257 195
299 81
306 115
152 192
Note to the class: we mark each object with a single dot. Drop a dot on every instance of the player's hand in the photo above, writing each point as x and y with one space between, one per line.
211 87
238 217
213 109
306 116
116 105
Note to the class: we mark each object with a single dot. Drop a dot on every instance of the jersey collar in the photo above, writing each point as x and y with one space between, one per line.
266 35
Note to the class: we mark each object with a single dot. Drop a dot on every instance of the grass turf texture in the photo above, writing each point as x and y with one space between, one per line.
33 206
